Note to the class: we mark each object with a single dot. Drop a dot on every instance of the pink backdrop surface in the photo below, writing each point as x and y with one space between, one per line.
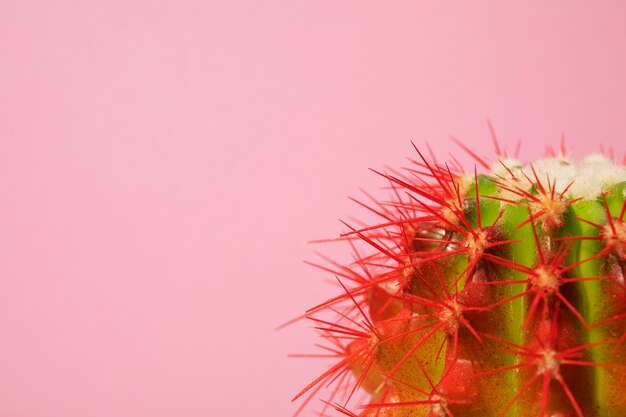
162 164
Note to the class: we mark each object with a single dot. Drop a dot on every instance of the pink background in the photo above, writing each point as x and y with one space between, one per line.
163 162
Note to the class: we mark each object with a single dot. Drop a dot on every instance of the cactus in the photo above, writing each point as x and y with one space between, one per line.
498 292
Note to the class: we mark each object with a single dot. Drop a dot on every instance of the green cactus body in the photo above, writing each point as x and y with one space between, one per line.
492 294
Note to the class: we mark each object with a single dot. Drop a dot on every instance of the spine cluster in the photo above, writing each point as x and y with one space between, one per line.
498 293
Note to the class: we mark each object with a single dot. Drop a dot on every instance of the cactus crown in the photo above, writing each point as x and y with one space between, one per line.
492 294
